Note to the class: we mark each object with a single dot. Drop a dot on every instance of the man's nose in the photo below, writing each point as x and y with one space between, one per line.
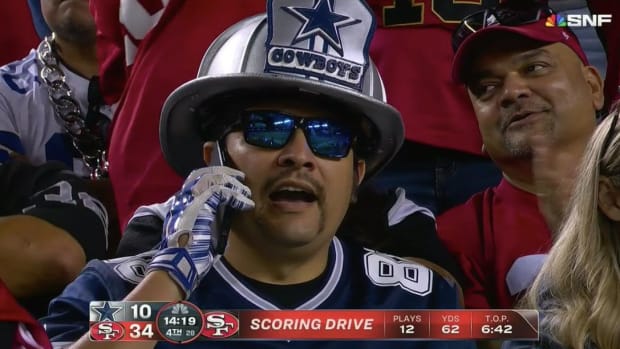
514 87
297 152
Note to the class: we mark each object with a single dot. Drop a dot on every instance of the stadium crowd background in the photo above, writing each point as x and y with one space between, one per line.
140 61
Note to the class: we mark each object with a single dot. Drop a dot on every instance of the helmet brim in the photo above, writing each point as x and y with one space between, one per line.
182 142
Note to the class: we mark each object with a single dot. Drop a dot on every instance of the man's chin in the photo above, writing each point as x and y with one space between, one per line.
519 149
293 235
77 28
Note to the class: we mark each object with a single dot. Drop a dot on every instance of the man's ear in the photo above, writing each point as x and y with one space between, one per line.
360 169
594 80
609 199
358 176
207 151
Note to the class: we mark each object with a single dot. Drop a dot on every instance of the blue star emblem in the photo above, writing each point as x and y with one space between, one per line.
321 20
106 312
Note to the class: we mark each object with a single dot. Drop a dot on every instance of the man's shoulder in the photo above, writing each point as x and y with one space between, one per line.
144 230
20 77
469 215
414 280
127 270
22 183
475 203
114 277
459 220
18 65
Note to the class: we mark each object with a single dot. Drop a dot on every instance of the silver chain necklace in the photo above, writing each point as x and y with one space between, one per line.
88 143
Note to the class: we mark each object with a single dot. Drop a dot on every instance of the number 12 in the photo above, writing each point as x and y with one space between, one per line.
407 329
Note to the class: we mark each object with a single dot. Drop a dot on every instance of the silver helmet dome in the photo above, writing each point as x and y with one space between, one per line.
249 57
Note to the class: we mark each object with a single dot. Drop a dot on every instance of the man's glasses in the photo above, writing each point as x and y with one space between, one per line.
501 15
327 138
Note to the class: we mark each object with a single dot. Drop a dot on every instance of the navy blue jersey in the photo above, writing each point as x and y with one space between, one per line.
385 221
355 278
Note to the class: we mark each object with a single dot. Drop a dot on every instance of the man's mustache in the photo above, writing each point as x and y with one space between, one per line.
298 176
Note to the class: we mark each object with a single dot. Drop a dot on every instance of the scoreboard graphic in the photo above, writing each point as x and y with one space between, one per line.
183 322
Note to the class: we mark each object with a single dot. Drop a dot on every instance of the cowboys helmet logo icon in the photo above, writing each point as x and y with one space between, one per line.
324 39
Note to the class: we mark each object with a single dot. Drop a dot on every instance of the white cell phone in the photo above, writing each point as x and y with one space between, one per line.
216 156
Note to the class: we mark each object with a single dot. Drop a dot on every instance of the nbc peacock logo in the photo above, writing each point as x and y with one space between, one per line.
556 20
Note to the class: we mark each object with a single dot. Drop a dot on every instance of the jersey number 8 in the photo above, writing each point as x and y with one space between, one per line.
384 270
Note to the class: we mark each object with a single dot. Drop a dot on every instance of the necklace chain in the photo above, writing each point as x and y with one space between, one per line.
88 142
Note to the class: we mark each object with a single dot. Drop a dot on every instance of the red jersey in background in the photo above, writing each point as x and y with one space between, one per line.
19 35
500 238
162 43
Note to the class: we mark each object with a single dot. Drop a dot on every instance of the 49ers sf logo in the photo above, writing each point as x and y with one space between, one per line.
106 331
220 324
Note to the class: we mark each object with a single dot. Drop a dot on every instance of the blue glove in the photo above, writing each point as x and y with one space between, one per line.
191 224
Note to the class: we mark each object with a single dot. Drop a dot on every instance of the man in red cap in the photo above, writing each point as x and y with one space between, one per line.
534 96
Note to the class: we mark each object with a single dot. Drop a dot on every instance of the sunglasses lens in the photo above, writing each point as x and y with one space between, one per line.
328 138
268 130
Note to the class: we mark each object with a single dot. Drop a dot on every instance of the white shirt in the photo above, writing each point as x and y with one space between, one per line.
28 124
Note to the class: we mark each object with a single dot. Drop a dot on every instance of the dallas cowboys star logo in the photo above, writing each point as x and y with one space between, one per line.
321 20
107 312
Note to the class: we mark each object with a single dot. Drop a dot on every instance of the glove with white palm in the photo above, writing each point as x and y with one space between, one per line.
191 226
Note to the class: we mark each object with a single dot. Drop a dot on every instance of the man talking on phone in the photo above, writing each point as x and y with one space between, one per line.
298 112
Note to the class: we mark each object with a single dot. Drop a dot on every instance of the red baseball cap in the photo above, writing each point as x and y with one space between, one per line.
537 31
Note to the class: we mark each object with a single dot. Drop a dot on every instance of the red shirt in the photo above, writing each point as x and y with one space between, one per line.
498 237
169 44
29 333
412 50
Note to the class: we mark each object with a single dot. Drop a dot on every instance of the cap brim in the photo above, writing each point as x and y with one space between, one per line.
182 143
463 55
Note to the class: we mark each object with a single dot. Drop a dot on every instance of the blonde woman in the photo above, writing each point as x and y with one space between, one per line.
578 288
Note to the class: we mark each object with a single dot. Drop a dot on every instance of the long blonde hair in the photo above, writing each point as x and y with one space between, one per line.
578 287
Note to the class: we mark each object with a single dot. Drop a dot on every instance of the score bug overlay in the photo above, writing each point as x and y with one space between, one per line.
122 321
183 322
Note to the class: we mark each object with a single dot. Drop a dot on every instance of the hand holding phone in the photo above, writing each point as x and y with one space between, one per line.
192 228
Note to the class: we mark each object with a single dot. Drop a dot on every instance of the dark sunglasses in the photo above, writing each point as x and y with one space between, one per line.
500 15
327 138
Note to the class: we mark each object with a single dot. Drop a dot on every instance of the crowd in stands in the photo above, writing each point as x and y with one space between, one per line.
263 154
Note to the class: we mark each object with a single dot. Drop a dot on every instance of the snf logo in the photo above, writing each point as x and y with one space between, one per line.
578 20
220 324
